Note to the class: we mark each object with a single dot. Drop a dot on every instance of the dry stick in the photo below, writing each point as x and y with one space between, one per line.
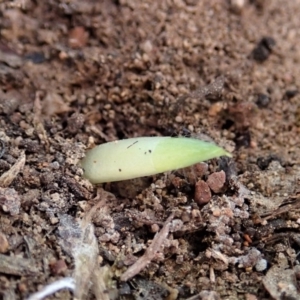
150 253
37 120
280 210
8 177
103 197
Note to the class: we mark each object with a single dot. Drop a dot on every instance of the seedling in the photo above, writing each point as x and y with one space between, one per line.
145 156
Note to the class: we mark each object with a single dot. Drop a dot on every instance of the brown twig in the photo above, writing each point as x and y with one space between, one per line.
7 178
150 253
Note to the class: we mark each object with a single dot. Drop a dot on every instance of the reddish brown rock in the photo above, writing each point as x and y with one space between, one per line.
202 192
58 267
216 181
78 37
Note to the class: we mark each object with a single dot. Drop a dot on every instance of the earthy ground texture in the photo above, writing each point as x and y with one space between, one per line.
74 74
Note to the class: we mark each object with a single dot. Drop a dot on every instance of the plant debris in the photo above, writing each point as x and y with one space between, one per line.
7 178
151 251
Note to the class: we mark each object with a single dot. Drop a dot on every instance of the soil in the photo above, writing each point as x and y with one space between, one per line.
74 74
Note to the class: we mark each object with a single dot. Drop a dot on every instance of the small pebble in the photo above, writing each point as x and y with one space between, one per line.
78 37
154 228
3 243
237 5
178 119
147 46
263 49
185 217
216 109
54 220
262 100
261 265
202 192
55 165
59 267
291 93
22 287
216 181
250 297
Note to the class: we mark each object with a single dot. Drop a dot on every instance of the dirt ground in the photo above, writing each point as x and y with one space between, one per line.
74 74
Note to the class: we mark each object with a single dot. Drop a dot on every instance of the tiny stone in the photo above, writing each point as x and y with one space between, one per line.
22 287
237 6
185 217
154 228
262 100
291 93
59 267
55 165
217 212
191 128
54 220
147 46
78 37
261 265
100 259
250 297
196 213
215 109
263 49
178 119
3 243
202 192
216 181
63 55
